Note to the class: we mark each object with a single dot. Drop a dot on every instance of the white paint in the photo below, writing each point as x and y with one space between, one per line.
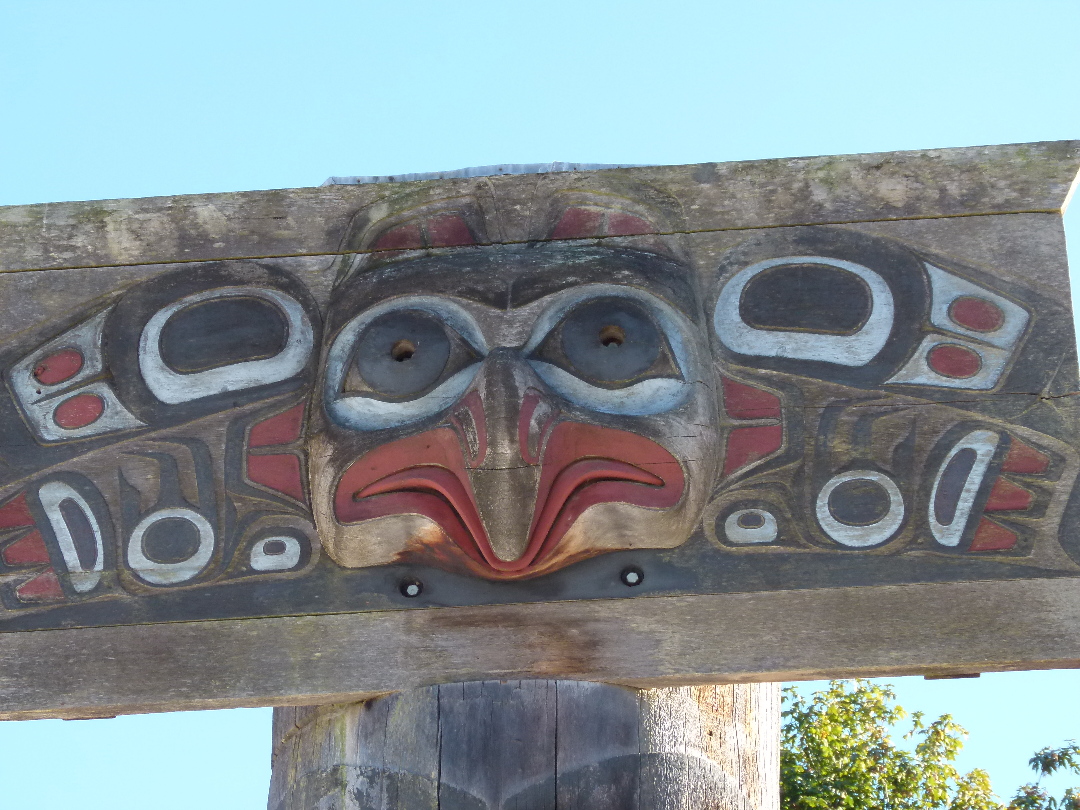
170 573
173 388
917 370
51 495
765 533
361 412
262 561
85 338
651 396
113 418
984 443
39 402
861 536
844 350
946 288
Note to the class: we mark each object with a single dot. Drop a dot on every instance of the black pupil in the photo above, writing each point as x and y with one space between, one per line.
402 353
611 340
751 520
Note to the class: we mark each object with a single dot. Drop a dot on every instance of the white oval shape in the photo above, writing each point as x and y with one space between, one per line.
173 388
261 560
170 573
984 443
51 495
861 536
844 350
765 533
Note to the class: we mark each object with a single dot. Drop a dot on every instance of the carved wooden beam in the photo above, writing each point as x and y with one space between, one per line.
653 426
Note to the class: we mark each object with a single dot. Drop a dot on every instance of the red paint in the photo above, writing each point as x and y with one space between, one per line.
742 401
15 513
577 223
448 230
423 475
58 366
583 465
976 314
745 445
1007 496
627 225
990 536
42 588
951 360
471 409
79 411
278 472
28 550
403 237
280 429
1025 459
532 431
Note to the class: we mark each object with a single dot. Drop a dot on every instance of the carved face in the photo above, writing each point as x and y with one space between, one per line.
524 408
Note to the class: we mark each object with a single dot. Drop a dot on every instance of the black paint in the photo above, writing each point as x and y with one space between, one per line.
170 540
806 297
82 533
859 502
951 485
222 332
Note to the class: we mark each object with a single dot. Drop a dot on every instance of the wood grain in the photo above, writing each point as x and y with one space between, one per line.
1018 178
533 745
953 628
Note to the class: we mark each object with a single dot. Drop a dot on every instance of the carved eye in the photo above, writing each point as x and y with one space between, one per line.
404 354
608 342
396 364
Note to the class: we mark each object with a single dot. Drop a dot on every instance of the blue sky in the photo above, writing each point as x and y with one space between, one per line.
128 99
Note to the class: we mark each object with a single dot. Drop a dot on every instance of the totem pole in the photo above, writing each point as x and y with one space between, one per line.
488 481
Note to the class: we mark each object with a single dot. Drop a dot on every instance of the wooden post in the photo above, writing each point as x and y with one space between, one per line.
533 745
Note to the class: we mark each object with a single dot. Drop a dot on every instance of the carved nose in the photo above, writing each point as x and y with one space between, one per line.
505 483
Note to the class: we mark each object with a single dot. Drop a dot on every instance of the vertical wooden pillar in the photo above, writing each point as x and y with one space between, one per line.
533 745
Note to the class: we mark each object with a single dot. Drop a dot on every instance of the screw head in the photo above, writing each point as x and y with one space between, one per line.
632 576
411 588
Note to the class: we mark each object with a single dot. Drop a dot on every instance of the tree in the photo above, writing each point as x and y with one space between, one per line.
837 752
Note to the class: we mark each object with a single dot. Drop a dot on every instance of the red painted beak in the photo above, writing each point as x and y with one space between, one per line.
581 465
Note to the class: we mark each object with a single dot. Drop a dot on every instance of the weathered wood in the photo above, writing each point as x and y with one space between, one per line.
473 408
533 745
950 628
1034 177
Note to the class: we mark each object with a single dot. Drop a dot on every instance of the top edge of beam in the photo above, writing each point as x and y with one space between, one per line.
918 184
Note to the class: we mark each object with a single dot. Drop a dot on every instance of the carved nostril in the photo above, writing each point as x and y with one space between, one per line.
403 350
612 335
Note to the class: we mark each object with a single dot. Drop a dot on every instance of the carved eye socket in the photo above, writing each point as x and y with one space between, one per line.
401 362
404 354
608 342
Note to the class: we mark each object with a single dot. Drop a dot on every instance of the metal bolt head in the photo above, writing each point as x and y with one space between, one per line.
632 576
411 588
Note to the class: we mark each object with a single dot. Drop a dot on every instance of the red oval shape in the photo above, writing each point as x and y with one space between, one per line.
950 360
80 411
976 314
59 366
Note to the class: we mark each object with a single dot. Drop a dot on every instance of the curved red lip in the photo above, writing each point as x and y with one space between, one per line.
582 465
